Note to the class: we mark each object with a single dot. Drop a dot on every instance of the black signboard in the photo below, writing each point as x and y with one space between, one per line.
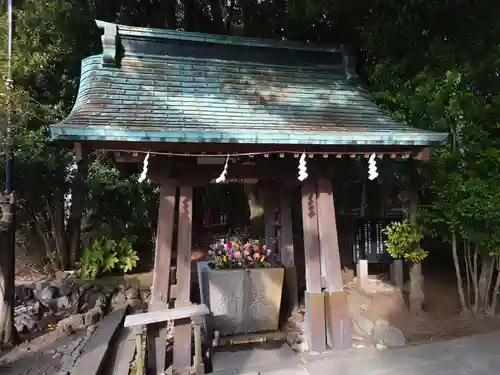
369 240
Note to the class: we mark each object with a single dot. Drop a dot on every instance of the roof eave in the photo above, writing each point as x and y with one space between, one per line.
421 139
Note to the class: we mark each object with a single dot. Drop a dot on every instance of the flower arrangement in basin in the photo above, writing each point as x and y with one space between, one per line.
239 252
242 286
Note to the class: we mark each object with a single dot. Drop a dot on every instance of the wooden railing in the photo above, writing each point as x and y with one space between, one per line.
193 312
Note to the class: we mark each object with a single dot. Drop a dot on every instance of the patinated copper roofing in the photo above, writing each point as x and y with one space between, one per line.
173 86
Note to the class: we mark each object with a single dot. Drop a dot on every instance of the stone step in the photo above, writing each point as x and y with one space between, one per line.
95 353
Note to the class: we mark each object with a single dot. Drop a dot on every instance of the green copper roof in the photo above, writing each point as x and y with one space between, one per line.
172 86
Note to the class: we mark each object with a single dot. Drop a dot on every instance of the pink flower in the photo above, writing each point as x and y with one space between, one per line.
229 245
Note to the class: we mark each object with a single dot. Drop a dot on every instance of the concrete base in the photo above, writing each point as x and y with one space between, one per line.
248 358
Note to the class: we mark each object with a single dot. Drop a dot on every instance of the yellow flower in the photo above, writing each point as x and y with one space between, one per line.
262 259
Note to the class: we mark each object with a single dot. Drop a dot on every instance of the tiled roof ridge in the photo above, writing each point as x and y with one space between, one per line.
114 33
169 34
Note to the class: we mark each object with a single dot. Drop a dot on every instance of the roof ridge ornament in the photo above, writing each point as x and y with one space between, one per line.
109 42
349 65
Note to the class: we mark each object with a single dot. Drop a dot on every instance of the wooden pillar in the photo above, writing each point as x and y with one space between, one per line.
287 256
156 333
337 315
270 209
314 299
182 330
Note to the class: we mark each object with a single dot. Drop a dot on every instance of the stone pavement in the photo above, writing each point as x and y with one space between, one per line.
476 355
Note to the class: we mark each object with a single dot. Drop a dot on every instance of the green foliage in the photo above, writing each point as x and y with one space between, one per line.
107 255
403 242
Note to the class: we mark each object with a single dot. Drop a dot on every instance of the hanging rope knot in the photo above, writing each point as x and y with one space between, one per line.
222 176
302 168
372 168
144 173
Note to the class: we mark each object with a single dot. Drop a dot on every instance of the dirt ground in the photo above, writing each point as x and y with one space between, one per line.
441 319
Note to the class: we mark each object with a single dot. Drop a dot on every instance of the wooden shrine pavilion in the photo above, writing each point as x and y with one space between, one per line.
185 98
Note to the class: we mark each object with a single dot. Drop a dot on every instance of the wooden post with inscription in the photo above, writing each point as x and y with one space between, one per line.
156 333
314 298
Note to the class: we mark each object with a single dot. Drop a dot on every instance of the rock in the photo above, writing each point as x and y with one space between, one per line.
108 291
48 293
145 296
132 293
63 303
60 275
19 324
66 288
135 303
376 286
93 298
297 342
347 275
357 303
387 335
300 347
362 326
85 289
92 316
119 299
40 309
70 324
41 284
22 293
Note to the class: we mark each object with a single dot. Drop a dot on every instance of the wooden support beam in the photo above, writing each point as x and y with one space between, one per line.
287 256
315 302
338 321
182 328
156 333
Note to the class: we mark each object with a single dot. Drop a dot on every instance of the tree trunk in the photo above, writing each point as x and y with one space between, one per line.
8 333
248 9
229 16
475 279
74 224
217 18
468 272
171 16
496 290
460 283
486 269
56 217
416 288
416 277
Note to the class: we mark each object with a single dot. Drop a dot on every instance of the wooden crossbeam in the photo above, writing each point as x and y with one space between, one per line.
152 317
